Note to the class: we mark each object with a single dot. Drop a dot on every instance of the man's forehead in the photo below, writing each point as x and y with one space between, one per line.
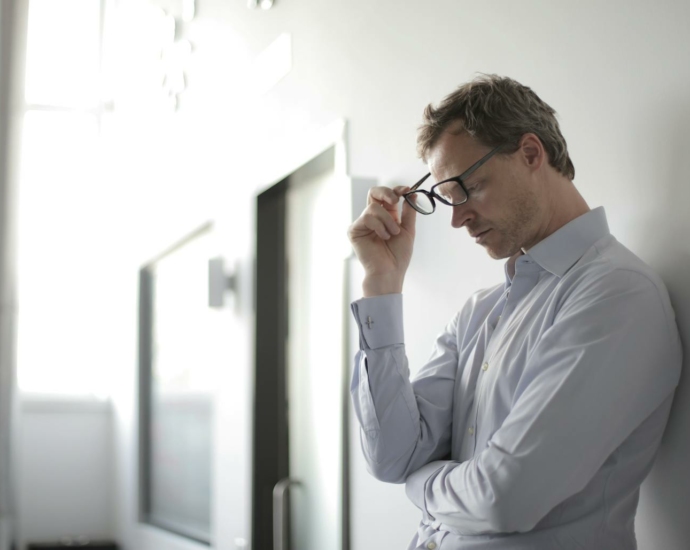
453 154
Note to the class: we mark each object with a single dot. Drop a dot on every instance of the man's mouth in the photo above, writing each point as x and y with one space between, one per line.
478 237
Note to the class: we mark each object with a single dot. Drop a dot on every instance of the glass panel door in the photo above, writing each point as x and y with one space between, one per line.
315 356
178 389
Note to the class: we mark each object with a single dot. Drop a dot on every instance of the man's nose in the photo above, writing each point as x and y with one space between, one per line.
460 215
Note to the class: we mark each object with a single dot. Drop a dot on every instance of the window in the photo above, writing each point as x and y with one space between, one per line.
62 346
178 368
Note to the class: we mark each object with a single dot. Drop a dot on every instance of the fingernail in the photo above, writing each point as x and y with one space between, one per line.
386 235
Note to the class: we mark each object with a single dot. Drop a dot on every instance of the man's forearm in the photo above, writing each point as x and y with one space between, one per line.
404 424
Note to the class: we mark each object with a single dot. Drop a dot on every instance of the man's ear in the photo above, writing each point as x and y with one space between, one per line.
532 151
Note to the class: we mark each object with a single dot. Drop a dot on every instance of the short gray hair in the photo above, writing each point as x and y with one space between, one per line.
497 111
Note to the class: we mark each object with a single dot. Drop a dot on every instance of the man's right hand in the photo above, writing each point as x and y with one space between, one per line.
383 240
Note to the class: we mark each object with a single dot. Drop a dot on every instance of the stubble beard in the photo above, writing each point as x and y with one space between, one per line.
513 232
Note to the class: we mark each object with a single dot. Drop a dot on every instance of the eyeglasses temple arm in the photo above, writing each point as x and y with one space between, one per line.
482 161
420 182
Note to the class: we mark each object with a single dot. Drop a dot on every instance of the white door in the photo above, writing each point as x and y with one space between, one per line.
317 222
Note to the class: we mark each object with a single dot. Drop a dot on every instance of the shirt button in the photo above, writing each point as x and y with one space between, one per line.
485 366
471 430
431 545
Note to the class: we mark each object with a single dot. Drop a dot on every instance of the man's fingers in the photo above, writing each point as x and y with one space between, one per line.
390 219
377 219
375 224
382 206
376 216
409 214
382 195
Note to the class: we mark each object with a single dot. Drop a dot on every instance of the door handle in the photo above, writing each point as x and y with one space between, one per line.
281 506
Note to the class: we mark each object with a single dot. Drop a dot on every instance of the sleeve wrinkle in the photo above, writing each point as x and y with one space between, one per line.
411 438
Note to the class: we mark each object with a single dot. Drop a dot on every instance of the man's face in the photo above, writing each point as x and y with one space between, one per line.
504 203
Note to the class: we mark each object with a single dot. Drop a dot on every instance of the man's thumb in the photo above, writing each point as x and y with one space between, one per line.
408 219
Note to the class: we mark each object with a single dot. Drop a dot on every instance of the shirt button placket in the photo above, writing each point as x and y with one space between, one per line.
431 545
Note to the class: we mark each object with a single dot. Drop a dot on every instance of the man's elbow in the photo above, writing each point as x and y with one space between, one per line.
494 511
392 466
510 516
385 473
391 470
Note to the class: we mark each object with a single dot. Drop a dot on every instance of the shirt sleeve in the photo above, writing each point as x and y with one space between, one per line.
611 358
403 425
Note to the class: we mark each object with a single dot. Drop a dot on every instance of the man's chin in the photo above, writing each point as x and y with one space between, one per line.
498 253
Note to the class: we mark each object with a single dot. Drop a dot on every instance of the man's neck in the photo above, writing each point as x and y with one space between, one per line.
566 204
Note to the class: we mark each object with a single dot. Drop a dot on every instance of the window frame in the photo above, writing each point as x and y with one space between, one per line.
145 383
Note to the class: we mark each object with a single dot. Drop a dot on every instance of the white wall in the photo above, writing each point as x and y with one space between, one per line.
65 482
617 74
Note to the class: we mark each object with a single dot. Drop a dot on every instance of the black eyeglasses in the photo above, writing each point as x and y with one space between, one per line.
453 192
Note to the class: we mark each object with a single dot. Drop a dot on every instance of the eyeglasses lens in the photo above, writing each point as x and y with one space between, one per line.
421 202
452 191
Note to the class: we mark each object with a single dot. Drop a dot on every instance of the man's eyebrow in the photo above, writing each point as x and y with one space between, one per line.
474 179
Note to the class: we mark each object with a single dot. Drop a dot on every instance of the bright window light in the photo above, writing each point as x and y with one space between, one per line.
61 340
59 345
63 53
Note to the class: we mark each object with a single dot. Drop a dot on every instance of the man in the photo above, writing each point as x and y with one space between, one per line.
543 404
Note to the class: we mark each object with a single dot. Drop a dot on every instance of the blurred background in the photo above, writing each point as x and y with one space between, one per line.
176 181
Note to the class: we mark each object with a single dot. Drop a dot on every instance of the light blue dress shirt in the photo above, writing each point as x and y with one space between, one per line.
542 406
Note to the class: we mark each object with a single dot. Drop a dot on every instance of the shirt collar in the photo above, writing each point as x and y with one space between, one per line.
558 252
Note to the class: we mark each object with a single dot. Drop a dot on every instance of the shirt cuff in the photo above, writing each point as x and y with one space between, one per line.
380 320
415 484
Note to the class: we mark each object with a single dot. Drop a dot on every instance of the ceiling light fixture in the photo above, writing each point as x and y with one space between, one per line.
263 4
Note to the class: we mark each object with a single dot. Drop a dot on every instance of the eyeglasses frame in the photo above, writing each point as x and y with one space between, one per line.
431 194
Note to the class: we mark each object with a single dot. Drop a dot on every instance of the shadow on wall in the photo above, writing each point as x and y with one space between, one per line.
664 242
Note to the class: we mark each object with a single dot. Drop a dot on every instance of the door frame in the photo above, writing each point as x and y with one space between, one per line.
272 182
